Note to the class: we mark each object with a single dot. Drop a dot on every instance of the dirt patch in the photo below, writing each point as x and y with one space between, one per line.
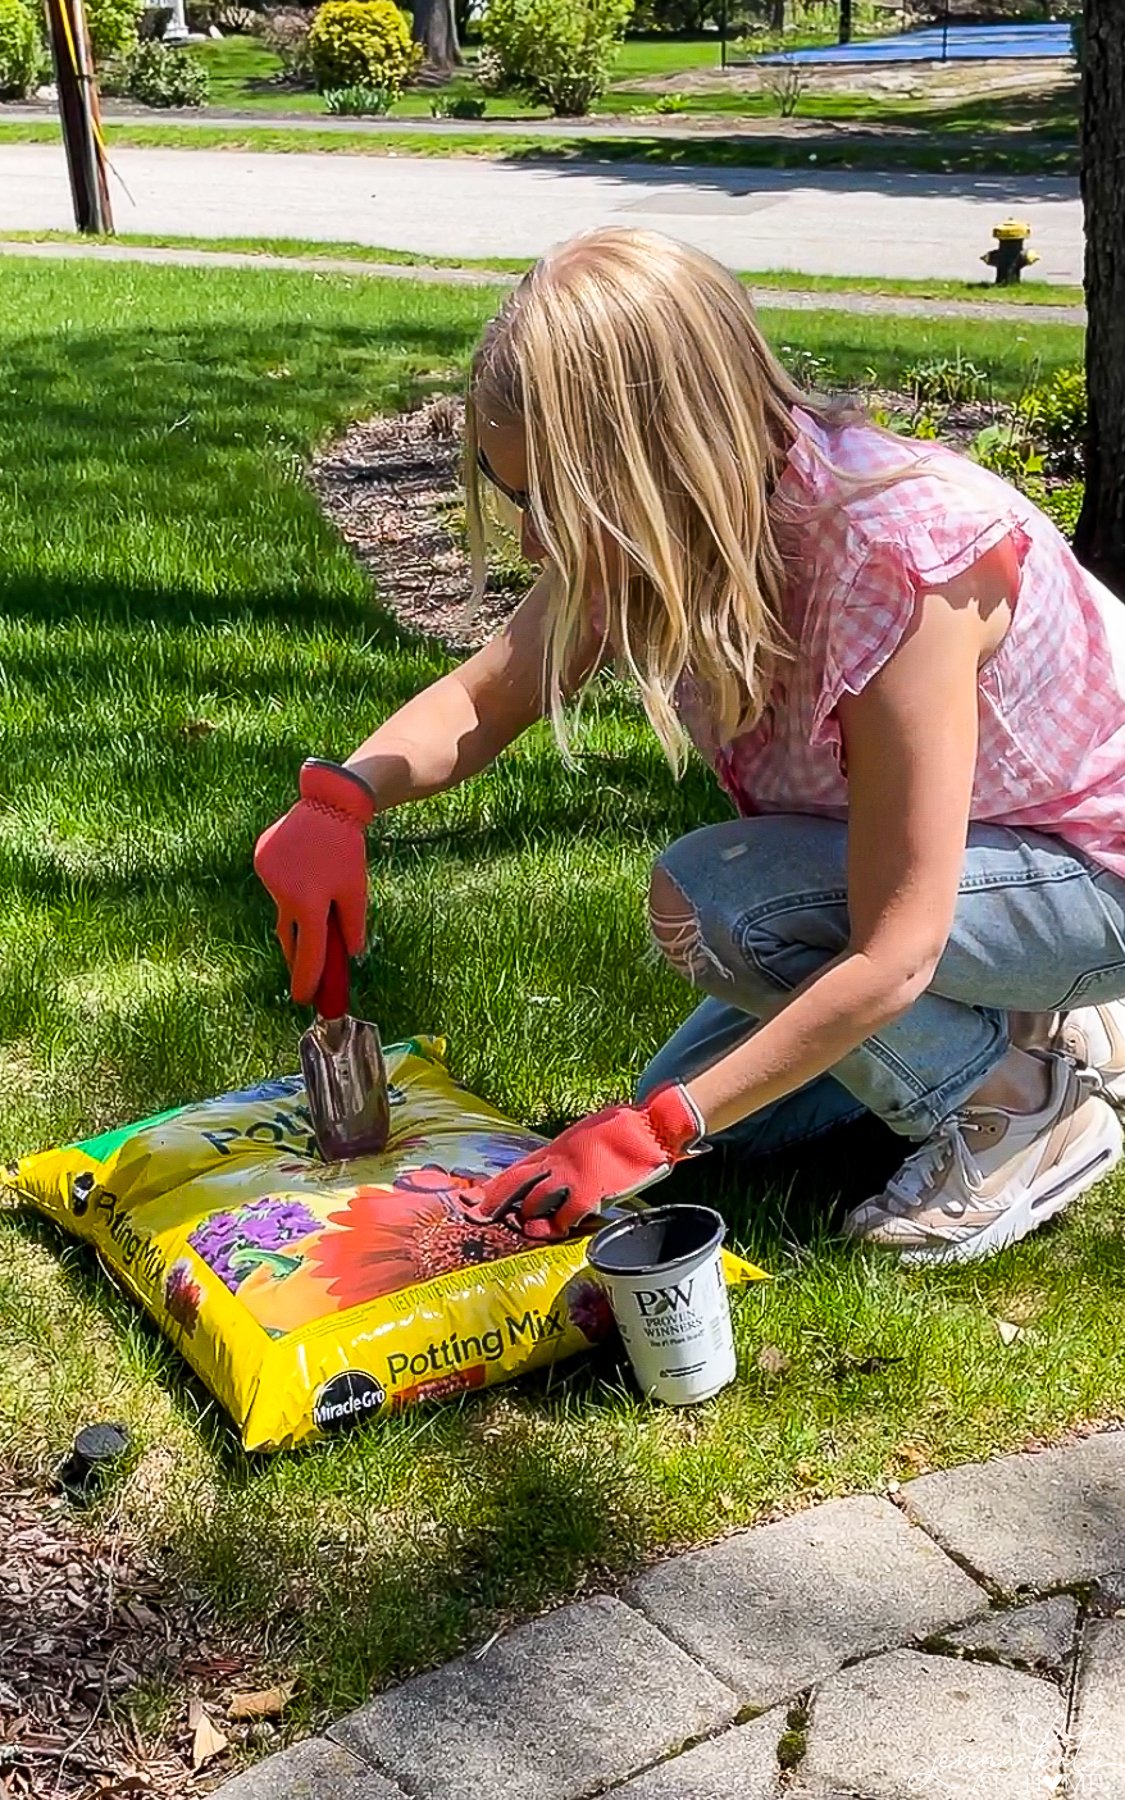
392 489
938 84
101 1658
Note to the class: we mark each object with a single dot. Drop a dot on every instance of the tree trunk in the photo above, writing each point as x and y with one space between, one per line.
435 28
1100 537
845 21
777 15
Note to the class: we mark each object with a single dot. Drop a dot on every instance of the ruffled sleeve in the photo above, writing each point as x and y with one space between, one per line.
866 616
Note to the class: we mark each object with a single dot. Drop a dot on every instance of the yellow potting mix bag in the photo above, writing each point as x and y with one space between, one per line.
310 1296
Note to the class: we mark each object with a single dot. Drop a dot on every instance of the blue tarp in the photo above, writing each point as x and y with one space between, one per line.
958 43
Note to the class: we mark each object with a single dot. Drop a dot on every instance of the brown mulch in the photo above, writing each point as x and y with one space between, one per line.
390 485
88 1626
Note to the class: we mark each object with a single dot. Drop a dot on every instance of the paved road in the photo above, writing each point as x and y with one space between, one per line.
835 223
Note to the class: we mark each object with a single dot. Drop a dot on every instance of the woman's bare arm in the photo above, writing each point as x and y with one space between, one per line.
460 724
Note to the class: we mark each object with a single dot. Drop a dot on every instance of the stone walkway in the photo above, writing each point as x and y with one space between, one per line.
897 305
962 1638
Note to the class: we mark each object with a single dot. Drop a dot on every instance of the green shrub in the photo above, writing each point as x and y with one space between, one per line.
360 102
813 373
113 27
362 43
21 51
1008 449
945 381
491 77
1063 505
457 105
558 52
671 103
160 76
1055 414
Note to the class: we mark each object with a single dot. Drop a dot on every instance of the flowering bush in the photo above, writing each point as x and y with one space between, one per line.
558 52
362 43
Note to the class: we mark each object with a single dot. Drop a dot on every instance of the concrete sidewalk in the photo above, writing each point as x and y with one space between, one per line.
960 1638
835 223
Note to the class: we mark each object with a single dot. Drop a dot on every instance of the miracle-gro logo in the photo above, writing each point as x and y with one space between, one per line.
346 1400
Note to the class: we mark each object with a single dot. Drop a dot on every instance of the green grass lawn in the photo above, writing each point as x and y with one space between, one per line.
178 628
937 155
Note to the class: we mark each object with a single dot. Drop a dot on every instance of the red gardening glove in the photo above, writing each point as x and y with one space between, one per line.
593 1163
314 859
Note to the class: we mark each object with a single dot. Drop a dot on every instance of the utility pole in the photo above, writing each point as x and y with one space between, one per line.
78 112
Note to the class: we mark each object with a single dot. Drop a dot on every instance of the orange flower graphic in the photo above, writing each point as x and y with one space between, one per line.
393 1237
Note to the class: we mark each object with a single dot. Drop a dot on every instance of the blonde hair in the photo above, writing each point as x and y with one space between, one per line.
657 422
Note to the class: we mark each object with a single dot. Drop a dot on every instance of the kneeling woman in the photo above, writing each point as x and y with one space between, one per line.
914 696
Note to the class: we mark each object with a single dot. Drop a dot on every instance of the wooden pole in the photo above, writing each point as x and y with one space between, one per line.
78 112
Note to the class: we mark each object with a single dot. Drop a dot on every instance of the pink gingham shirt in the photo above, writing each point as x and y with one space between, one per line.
1051 754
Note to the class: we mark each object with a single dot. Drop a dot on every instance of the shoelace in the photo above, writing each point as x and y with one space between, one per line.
906 1190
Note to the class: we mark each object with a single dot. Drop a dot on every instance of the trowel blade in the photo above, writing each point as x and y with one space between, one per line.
346 1088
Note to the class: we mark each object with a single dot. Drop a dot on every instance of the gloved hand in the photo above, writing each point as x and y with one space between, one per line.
316 858
599 1160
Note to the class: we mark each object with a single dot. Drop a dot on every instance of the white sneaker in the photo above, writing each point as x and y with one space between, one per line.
1093 1036
988 1176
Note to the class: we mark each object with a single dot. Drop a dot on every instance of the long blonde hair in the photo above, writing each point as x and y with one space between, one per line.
657 421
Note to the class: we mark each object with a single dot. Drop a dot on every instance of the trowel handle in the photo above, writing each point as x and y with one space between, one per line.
333 996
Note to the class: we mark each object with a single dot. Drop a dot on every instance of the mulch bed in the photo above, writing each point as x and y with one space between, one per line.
389 485
88 1621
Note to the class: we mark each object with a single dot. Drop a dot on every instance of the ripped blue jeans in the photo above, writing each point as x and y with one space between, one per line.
1038 928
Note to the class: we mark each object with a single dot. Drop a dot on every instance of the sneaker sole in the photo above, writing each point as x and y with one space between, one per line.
1092 1158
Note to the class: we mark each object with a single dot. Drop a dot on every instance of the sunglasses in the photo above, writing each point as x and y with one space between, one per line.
519 497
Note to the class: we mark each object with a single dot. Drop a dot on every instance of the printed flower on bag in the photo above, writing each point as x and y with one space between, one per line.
183 1295
589 1309
233 1244
392 1237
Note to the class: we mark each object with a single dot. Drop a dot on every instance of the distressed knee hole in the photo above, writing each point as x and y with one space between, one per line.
676 932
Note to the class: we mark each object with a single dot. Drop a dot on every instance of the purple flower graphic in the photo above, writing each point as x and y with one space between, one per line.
235 1243
589 1308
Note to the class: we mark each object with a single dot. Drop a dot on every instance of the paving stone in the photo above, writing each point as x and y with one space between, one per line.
1107 1598
1034 1521
1098 1728
774 1609
314 1770
1040 1636
914 1727
741 1763
558 1710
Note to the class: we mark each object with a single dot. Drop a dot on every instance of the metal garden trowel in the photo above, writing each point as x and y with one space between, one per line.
342 1062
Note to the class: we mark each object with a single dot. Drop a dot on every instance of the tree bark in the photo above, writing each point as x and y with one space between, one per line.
845 21
435 28
1100 537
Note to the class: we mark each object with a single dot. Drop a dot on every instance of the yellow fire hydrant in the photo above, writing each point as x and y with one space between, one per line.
1010 258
